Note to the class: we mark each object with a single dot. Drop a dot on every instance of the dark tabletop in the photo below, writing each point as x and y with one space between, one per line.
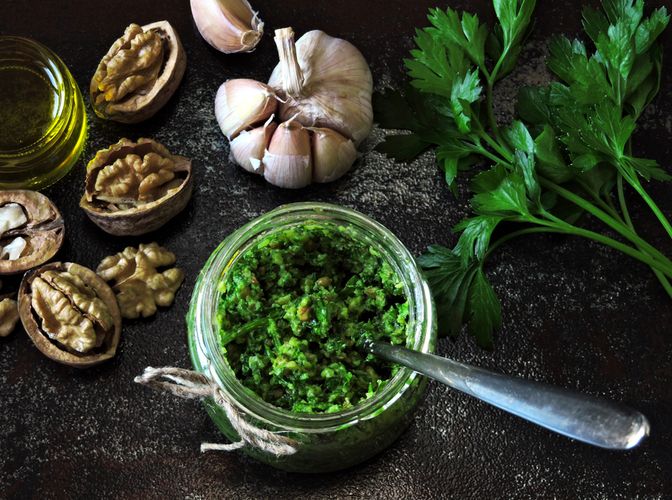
575 313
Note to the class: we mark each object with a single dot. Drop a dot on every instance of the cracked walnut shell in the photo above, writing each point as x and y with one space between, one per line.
139 286
31 230
139 73
70 314
134 188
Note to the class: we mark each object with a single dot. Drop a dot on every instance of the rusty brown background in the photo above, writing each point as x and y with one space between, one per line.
575 314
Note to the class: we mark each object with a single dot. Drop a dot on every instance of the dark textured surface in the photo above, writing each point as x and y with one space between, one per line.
575 314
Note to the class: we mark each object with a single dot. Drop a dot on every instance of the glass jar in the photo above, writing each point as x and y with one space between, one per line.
42 115
328 441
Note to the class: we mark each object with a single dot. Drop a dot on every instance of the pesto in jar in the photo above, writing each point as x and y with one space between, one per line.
295 305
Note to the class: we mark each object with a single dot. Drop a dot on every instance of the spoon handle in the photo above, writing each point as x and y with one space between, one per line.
585 418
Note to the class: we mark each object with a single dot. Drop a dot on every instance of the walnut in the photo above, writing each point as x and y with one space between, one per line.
139 73
134 188
9 316
31 230
70 314
139 286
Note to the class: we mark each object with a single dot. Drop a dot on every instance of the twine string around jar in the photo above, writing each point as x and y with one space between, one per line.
189 384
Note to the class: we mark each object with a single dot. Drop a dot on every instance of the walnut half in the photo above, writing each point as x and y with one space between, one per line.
139 73
70 314
134 188
31 230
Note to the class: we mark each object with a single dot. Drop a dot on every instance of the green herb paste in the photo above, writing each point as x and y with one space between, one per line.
293 308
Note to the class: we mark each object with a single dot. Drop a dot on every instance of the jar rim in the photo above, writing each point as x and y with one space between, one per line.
201 317
58 76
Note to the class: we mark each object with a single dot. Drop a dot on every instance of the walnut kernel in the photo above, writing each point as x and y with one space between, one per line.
139 286
9 316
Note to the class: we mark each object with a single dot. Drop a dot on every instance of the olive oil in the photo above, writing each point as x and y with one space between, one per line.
28 107
42 117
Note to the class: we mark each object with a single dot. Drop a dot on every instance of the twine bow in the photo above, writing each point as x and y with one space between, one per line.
188 384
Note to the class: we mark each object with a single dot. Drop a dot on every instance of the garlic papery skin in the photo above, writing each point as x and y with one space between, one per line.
333 154
248 149
228 25
287 161
326 83
242 103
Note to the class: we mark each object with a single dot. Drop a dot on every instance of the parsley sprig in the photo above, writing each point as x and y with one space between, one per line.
567 153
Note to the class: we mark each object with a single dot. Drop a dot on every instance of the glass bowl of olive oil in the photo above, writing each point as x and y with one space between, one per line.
42 115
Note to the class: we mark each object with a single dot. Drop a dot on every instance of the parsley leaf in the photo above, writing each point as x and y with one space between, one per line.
449 278
463 294
475 238
508 198
485 314
465 31
514 19
519 137
550 160
466 90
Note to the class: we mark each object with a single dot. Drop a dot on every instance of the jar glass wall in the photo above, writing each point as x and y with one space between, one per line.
328 441
42 115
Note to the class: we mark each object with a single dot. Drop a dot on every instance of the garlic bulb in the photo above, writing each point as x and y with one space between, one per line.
228 25
287 162
242 103
249 147
321 90
326 82
333 154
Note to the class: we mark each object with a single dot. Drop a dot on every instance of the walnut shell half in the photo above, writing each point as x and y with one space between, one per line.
135 188
70 314
139 73
31 230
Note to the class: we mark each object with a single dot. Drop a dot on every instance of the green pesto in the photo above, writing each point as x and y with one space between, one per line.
293 308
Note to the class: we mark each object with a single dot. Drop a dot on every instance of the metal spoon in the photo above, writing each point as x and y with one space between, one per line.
591 420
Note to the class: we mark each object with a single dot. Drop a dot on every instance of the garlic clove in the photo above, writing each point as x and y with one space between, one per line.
327 83
287 161
228 25
333 154
241 103
248 149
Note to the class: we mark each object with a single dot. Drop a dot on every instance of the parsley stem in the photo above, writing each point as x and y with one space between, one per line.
506 155
628 222
609 207
616 225
621 201
604 205
484 152
565 227
515 234
491 112
634 182
610 202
